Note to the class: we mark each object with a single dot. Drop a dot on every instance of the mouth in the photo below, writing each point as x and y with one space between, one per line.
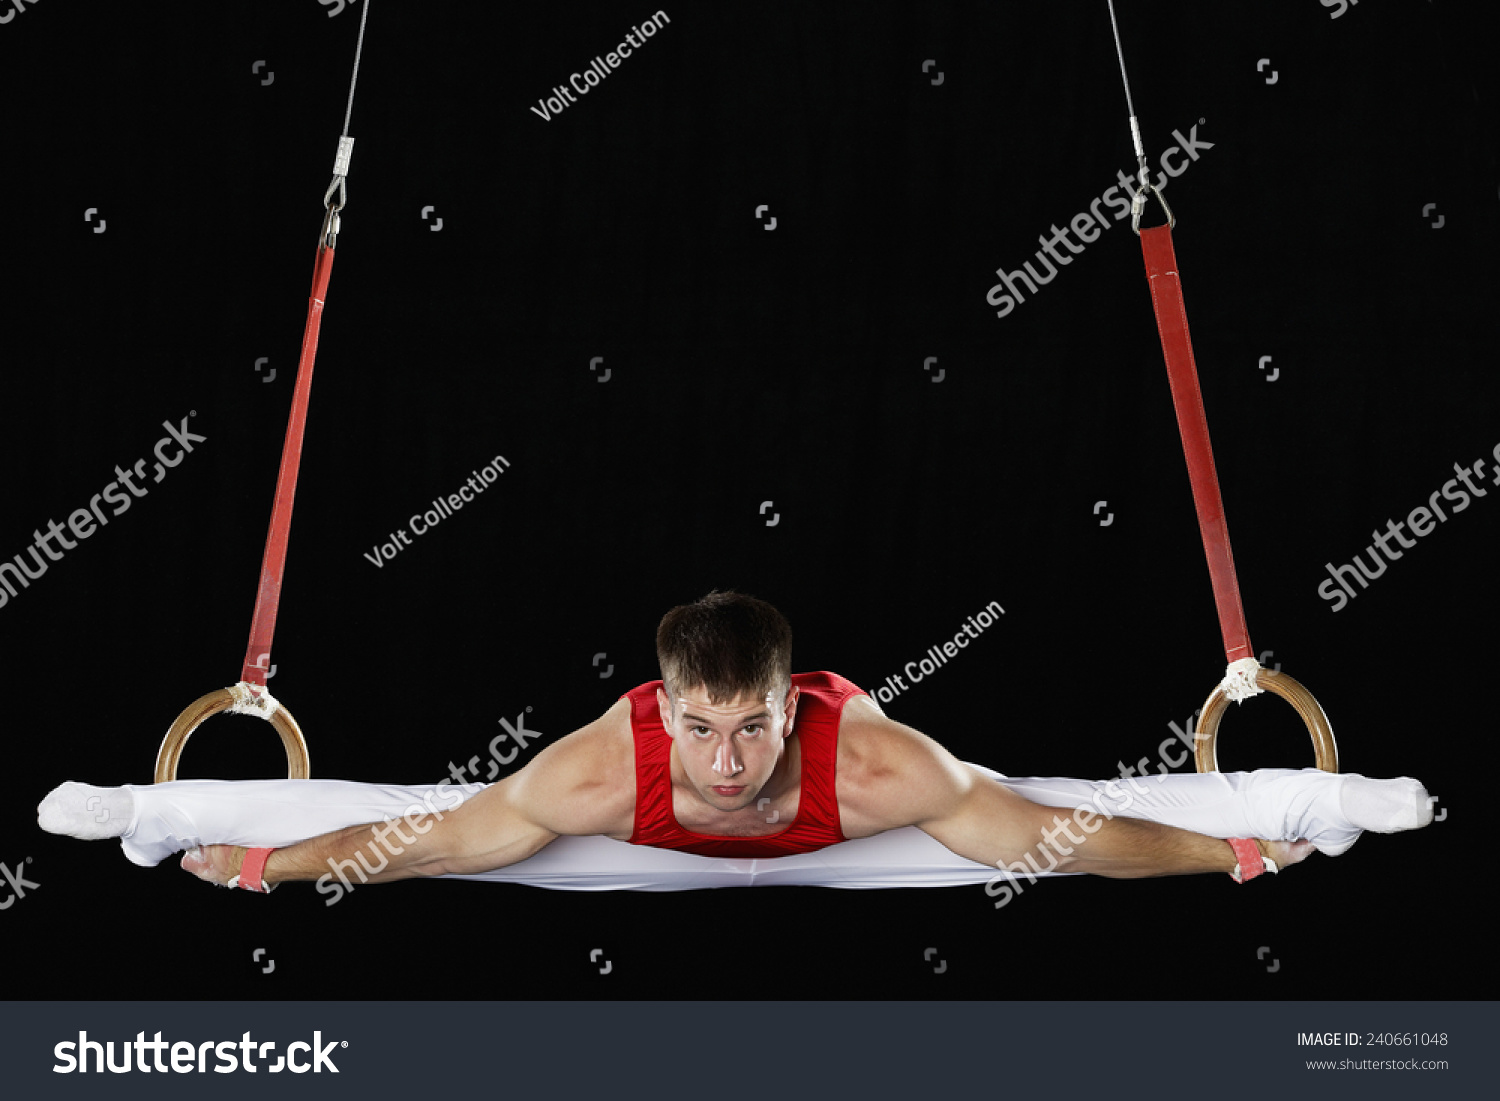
727 792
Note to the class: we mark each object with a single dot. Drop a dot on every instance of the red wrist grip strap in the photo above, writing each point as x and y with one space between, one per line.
1251 863
268 595
253 868
1187 399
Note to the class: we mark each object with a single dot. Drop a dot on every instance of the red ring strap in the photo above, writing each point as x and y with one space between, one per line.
1187 399
268 595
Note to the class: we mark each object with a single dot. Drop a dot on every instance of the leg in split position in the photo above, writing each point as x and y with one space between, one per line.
730 755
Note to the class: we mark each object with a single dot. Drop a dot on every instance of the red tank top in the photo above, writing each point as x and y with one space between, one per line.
819 707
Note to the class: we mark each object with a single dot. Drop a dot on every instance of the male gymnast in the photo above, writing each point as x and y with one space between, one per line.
732 755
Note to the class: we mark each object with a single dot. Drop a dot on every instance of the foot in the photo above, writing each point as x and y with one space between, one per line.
1380 806
1386 806
85 811
217 864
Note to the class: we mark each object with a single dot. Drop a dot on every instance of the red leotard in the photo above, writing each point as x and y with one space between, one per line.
819 707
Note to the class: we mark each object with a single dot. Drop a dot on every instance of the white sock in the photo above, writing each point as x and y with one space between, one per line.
85 811
1328 809
1385 806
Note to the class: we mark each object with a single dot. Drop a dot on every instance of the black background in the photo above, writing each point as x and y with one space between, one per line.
747 365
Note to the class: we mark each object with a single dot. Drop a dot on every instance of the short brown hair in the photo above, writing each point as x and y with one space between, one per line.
728 643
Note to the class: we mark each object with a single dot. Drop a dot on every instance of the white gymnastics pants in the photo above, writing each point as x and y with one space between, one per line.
1276 804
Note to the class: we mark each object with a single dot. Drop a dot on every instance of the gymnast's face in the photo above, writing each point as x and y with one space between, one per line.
728 752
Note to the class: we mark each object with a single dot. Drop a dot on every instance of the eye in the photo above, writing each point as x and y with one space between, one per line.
753 730
700 731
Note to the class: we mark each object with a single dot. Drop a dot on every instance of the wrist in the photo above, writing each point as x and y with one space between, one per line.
251 875
1252 858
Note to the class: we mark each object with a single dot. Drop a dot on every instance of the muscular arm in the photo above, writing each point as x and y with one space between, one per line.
891 775
580 785
490 830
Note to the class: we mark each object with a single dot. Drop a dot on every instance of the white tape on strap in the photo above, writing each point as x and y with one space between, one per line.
1239 680
253 700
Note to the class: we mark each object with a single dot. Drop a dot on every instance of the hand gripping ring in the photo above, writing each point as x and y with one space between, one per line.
238 699
1205 740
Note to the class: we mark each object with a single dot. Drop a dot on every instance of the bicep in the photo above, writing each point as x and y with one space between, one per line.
988 823
576 790
899 776
891 775
488 831
573 787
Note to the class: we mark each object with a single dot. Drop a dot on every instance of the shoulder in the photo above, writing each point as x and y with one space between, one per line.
584 783
874 749
890 774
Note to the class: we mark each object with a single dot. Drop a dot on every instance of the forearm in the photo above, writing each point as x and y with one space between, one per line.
378 852
1130 848
483 834
1008 832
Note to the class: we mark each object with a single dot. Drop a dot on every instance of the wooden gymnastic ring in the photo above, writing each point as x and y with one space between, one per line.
222 699
1205 740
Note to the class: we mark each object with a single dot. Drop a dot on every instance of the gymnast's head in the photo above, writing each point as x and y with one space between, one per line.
727 697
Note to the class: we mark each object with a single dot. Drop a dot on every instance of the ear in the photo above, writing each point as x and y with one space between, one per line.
664 708
791 709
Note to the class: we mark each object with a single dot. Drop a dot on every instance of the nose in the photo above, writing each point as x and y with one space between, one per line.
726 764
